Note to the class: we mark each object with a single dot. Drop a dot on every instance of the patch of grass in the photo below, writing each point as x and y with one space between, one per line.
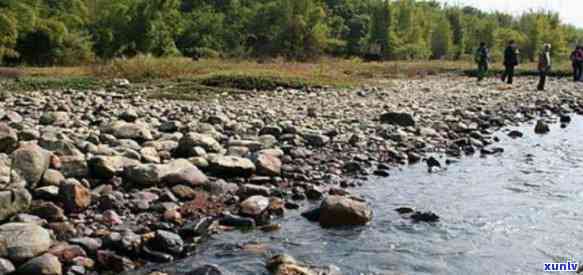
187 90
255 82
29 83
183 78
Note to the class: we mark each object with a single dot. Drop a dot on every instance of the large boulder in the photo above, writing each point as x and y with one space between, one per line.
46 264
231 166
13 202
179 171
400 119
22 241
8 139
136 131
31 161
188 143
182 171
339 211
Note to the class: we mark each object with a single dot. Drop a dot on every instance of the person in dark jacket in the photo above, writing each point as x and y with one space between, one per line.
482 57
544 66
577 61
510 61
573 58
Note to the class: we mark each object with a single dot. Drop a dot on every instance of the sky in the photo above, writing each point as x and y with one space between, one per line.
571 11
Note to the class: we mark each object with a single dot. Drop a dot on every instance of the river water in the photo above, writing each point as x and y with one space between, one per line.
503 214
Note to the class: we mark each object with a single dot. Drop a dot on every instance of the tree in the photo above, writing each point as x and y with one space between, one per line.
455 20
8 36
380 35
441 39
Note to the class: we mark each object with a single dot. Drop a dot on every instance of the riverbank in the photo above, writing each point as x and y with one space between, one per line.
183 75
122 179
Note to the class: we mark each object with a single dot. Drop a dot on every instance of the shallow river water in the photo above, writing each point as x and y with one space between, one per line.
501 214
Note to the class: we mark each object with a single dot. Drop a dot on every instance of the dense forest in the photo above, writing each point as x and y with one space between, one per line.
69 32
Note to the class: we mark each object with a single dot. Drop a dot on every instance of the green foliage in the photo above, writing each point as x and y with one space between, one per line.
69 32
441 39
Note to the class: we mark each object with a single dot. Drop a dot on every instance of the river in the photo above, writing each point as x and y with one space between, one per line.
501 214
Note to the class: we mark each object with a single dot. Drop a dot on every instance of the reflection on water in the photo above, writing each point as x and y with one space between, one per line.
501 214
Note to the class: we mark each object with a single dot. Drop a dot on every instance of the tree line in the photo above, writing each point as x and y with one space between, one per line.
70 32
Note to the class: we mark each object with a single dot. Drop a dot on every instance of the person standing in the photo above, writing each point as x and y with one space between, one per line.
510 61
574 63
482 57
544 66
579 63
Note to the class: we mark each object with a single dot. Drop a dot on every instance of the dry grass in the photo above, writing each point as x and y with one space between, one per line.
264 74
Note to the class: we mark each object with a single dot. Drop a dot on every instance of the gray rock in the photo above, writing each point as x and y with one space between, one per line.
13 202
268 165
339 211
22 241
8 139
53 178
31 161
107 167
54 118
74 166
6 267
167 242
150 155
230 166
133 131
400 119
254 206
182 171
179 171
145 174
188 143
46 264
48 211
316 139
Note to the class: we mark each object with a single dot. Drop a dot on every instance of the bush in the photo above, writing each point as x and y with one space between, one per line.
144 67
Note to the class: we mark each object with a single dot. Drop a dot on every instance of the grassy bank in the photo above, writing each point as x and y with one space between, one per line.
216 75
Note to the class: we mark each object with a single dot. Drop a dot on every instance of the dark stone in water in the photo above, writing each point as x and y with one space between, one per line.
381 173
565 119
541 127
424 217
515 134
155 256
433 162
291 205
312 215
199 227
492 151
404 210
236 221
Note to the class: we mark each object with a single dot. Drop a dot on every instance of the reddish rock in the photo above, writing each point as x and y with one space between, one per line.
75 197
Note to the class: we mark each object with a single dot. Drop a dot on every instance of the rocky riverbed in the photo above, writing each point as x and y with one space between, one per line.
110 180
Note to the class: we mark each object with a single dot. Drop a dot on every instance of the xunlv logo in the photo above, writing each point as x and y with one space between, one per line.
561 267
